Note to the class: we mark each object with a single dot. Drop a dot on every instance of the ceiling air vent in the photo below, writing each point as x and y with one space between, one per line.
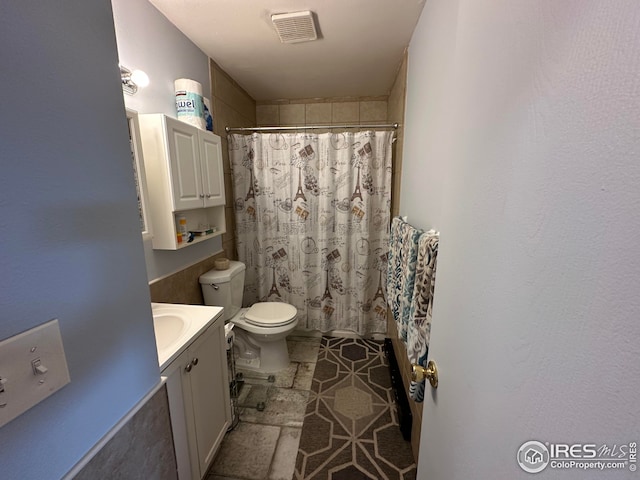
295 27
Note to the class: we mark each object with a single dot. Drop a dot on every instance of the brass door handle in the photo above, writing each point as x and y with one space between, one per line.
419 373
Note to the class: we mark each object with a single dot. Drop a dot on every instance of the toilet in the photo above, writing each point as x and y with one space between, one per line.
260 330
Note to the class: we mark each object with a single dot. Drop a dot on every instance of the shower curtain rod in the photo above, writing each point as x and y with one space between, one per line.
307 127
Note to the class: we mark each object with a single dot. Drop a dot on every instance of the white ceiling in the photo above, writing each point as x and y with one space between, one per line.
358 54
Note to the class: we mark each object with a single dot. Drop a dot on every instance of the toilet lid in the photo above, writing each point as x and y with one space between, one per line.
271 314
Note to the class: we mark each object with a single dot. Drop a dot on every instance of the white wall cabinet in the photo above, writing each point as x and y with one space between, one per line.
199 401
184 175
212 173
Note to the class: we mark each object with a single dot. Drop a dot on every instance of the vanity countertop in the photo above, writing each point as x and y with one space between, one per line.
177 326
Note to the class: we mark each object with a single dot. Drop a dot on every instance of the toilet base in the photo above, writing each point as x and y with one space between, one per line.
261 349
248 363
274 357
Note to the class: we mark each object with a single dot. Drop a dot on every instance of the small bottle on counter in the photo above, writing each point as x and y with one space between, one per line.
182 227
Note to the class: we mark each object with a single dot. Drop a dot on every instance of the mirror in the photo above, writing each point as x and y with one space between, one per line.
138 173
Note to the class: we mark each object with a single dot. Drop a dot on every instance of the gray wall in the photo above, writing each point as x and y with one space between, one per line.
72 247
149 42
521 147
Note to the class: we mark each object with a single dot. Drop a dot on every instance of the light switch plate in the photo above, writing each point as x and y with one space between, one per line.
22 384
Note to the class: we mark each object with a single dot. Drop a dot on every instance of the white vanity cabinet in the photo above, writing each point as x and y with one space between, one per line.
184 175
199 401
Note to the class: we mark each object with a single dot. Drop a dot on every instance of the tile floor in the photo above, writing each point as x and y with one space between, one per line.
264 445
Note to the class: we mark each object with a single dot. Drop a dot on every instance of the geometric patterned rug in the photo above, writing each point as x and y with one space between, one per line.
350 429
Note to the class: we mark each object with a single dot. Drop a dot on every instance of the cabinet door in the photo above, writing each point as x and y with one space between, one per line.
210 392
212 172
184 160
179 395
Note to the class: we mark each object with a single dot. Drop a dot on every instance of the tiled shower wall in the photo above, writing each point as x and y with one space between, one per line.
233 107
322 111
396 114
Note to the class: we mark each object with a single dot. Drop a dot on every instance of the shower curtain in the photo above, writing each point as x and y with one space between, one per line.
312 224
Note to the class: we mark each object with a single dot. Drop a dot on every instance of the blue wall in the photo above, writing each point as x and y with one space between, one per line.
71 247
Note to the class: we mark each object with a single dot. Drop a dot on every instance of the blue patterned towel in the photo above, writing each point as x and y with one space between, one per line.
403 253
419 327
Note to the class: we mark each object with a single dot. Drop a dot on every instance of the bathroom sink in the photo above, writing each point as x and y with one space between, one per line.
171 325
176 326
169 328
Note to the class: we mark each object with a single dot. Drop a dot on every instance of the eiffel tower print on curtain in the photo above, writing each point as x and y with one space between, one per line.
319 204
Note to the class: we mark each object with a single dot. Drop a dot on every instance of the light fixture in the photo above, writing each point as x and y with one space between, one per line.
131 81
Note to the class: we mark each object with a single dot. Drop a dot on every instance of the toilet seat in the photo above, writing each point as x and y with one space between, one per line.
270 314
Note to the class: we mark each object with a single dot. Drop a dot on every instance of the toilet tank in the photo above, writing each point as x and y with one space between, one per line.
224 288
